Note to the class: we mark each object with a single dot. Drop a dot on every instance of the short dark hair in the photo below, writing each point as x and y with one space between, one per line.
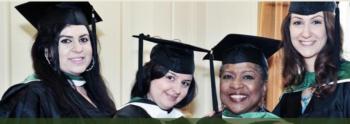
153 71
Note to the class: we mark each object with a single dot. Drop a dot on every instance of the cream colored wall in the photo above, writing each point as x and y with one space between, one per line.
197 23
344 20
4 47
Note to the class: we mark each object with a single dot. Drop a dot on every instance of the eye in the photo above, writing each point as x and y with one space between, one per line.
84 39
297 22
186 83
316 22
226 76
248 77
65 41
170 77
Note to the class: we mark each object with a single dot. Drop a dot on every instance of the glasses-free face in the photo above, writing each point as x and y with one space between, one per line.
242 87
308 34
170 89
75 51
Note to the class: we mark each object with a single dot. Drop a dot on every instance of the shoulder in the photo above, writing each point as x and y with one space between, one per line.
36 87
132 111
180 120
24 100
216 118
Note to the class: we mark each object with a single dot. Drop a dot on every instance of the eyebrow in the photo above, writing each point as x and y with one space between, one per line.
317 16
296 17
65 36
173 74
83 35
251 71
72 36
311 18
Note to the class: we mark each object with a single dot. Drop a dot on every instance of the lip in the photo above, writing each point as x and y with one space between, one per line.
77 60
307 43
172 97
238 97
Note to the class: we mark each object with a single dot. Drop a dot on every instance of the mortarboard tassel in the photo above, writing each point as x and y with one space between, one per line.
93 26
337 35
213 86
140 58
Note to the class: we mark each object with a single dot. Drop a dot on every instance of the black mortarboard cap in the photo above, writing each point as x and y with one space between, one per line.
236 48
307 8
175 56
41 13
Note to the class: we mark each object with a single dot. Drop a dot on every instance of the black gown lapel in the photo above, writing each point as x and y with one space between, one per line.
291 106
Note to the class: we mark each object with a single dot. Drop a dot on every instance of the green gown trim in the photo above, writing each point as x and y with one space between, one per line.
264 114
134 99
309 79
30 78
74 77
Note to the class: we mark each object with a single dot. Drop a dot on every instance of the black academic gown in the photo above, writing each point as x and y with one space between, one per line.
335 105
35 99
133 111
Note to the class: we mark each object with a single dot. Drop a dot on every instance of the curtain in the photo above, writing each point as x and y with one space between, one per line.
271 15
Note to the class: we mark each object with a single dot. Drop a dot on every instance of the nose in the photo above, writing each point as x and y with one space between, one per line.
77 47
177 88
306 31
236 84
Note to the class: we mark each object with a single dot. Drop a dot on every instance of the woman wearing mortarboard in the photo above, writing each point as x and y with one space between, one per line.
316 77
165 83
243 76
67 80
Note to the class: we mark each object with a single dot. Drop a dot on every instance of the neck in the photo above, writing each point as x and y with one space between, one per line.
310 63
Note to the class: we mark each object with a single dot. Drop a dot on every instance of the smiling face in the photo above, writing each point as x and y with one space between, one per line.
170 89
75 51
242 87
308 34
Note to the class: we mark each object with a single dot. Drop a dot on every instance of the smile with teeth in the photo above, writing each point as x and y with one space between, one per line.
238 97
307 43
77 60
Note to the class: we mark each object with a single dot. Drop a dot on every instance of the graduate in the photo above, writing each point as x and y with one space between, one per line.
243 76
316 77
67 80
165 84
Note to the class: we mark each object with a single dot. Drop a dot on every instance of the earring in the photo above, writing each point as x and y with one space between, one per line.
92 65
299 70
48 60
262 104
46 54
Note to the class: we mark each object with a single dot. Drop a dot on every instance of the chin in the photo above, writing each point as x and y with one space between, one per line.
237 110
79 72
165 107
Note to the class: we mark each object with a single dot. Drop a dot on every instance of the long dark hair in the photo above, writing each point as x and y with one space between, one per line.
153 71
326 63
49 72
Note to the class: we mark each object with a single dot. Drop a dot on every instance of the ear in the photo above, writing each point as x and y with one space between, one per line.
47 56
